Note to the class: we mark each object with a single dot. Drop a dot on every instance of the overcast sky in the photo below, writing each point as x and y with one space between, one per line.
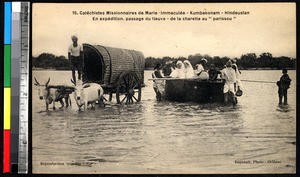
270 27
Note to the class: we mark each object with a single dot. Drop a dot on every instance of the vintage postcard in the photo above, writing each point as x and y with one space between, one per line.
157 88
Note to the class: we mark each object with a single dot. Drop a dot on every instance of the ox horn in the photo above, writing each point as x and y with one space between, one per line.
36 82
73 82
47 82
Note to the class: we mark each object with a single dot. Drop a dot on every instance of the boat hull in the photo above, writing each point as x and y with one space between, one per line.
195 90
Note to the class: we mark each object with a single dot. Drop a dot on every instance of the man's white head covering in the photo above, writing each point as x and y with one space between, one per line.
169 62
203 59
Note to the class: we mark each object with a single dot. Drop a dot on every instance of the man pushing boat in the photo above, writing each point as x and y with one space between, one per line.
229 75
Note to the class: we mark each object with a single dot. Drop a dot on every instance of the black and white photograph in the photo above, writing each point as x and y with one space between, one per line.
158 88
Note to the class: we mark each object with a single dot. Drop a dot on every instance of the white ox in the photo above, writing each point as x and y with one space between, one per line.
51 95
87 93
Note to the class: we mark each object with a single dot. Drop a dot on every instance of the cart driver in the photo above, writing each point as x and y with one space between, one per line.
75 57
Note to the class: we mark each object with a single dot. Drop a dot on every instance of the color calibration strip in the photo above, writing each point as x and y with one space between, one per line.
15 84
23 90
7 86
16 80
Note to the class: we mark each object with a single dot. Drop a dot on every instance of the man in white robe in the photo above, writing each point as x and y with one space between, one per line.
229 75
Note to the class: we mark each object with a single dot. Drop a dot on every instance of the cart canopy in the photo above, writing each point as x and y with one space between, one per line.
106 64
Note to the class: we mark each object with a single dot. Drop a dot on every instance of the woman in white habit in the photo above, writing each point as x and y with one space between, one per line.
200 71
189 71
179 70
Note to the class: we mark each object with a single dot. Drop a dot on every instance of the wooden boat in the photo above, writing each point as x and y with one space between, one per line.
195 90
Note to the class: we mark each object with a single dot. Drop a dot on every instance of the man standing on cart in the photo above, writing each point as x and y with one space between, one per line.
75 57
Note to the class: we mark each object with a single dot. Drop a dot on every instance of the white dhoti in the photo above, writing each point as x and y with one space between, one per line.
228 87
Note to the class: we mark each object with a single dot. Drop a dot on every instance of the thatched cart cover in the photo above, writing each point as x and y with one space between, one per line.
105 64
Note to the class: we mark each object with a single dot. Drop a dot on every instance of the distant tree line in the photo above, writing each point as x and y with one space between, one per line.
50 61
246 61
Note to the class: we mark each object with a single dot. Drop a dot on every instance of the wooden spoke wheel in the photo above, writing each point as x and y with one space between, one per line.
129 89
107 96
110 96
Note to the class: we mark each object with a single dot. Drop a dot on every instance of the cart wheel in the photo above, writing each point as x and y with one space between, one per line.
129 89
108 96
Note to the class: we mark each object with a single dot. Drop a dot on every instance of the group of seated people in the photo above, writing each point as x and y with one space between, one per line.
185 70
229 73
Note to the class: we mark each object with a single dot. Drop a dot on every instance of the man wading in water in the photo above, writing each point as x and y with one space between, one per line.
229 75
283 85
75 57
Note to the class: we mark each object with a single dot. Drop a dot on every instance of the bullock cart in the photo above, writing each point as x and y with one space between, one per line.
118 71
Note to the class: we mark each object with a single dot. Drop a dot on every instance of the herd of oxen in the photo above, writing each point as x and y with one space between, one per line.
84 93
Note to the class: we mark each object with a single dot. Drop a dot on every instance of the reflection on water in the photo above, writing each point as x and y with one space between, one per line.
168 137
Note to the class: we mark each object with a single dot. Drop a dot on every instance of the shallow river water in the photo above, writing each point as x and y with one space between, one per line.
256 136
